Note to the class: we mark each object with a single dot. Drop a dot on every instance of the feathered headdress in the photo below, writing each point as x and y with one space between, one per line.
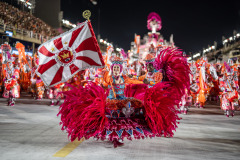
116 60
123 53
227 69
155 16
149 58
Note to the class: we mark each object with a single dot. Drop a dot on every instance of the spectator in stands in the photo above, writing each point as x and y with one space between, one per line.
20 20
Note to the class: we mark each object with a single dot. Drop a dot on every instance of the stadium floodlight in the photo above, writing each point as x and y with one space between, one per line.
67 22
196 55
94 2
225 41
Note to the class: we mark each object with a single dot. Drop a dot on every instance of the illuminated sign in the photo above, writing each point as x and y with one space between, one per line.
10 34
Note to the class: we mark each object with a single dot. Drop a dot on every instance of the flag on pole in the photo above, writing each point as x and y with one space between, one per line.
65 55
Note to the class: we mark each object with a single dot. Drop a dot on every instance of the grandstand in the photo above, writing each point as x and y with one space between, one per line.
229 48
19 25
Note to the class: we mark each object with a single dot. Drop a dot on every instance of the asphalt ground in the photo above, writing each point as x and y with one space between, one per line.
30 131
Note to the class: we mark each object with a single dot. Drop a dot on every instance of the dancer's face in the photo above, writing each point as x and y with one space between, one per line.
116 70
150 67
118 54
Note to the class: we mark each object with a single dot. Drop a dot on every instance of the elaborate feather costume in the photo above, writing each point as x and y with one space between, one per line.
11 75
229 87
128 110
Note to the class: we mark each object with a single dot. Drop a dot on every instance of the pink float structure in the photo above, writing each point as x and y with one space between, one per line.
152 42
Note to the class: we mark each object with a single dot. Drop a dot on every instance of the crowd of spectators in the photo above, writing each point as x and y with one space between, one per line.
17 19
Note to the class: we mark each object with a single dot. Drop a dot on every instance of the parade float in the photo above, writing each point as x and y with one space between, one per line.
150 42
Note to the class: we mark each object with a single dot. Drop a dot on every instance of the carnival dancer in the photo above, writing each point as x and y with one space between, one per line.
11 76
12 88
130 109
125 57
140 69
107 56
154 24
55 94
202 96
212 82
40 88
89 74
131 70
6 58
99 77
33 87
219 67
229 89
37 85
185 102
152 50
152 76
25 68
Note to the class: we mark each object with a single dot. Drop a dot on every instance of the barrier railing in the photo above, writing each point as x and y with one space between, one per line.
23 32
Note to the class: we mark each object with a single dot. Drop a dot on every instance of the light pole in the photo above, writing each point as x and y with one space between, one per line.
98 22
97 3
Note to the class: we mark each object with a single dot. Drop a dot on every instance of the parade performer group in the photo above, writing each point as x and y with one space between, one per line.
111 105
215 82
17 75
209 82
108 98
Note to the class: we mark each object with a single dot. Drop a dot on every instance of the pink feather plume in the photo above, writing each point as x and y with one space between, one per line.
155 16
83 111
161 101
123 53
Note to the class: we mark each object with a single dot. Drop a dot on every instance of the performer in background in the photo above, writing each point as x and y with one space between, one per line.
11 75
152 76
54 94
228 86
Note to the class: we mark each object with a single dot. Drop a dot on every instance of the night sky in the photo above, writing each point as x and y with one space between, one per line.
194 24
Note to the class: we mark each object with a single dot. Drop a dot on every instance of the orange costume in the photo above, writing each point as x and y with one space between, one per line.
117 89
201 96
39 88
24 66
153 77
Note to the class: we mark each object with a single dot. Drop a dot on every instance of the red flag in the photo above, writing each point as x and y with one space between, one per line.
63 56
